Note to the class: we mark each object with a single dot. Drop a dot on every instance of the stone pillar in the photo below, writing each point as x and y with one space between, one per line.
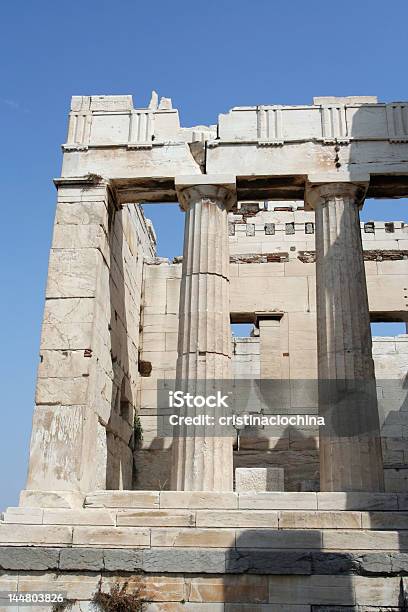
204 463
350 445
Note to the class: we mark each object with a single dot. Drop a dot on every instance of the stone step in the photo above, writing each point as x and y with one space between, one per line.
203 518
205 537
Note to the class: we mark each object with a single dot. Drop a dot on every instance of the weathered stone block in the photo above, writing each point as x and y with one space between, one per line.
156 518
25 558
319 520
51 499
205 538
259 479
30 516
278 539
272 561
184 560
376 591
278 501
104 536
79 517
357 501
198 499
236 518
122 499
34 534
229 589
123 560
385 520
80 559
361 540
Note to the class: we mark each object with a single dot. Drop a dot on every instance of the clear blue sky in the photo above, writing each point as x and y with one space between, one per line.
208 56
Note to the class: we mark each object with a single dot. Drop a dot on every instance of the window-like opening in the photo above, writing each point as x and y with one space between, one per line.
269 229
250 229
309 228
384 210
388 328
389 228
369 227
168 222
289 228
242 330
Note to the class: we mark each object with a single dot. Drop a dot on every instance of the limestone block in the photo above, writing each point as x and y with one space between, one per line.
154 341
28 516
249 294
57 433
78 517
172 295
208 561
77 586
156 588
21 558
71 336
81 237
271 538
51 499
319 520
198 499
269 608
165 360
385 520
122 499
104 536
69 310
362 540
155 518
227 589
153 322
357 501
34 534
236 518
376 591
261 269
315 590
171 341
65 391
73 272
278 501
89 559
259 479
129 560
153 469
385 292
64 364
82 213
187 607
268 561
205 538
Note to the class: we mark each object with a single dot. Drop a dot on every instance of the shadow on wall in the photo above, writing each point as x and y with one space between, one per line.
325 569
120 426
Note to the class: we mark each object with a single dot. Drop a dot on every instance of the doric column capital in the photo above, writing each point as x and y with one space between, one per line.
317 194
213 187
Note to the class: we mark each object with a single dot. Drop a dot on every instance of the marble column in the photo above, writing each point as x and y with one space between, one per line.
350 445
204 462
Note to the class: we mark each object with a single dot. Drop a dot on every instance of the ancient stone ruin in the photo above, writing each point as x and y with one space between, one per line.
295 519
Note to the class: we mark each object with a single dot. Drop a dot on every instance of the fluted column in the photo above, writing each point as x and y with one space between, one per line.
204 462
350 445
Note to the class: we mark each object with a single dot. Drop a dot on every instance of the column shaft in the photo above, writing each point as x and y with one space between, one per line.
204 463
350 445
